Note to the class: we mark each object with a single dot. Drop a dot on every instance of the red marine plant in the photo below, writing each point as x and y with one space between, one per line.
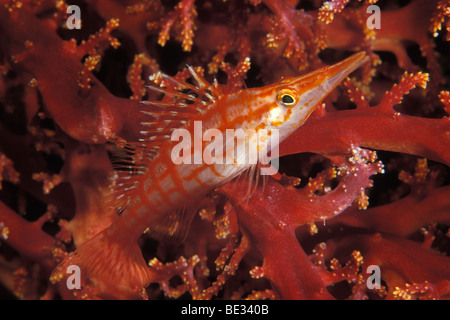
364 182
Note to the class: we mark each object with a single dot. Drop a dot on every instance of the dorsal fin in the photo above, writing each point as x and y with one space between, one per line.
175 102
177 91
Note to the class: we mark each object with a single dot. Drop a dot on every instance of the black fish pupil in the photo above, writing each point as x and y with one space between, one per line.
287 99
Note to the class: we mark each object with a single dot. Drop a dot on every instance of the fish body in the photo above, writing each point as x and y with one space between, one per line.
159 189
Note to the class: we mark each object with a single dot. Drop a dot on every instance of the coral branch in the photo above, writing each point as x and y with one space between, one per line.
406 84
7 171
272 215
185 12
433 208
296 26
28 239
94 118
367 127
309 232
444 96
330 8
442 13
134 76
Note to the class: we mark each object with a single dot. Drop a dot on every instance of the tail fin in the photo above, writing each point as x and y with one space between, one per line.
116 270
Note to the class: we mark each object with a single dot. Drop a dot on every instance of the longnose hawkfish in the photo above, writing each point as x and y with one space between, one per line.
152 189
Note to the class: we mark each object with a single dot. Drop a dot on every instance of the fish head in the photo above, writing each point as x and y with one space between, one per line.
291 101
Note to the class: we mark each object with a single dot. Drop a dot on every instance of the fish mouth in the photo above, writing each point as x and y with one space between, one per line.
327 78
315 86
336 73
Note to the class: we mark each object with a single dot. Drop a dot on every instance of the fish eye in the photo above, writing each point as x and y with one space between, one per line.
286 98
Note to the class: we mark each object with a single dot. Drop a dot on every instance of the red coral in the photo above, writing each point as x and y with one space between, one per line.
310 232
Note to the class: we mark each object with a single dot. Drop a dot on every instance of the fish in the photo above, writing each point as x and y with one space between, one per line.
156 189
